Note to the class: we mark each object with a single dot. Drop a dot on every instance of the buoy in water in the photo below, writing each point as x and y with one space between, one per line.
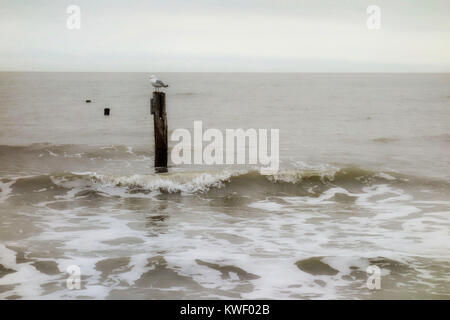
106 112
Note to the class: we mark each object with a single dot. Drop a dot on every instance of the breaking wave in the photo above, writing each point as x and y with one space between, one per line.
289 181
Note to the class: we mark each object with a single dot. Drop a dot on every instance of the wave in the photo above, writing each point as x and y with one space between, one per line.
201 182
62 151
172 183
241 181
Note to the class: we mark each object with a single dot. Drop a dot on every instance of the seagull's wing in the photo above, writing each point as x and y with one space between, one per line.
160 83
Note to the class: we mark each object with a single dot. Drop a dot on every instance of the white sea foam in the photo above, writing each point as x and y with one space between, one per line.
385 176
26 280
187 183
5 190
273 244
267 248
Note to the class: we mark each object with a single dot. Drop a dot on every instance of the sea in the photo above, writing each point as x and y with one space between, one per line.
359 208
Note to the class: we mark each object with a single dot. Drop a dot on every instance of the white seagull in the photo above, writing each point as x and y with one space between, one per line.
157 83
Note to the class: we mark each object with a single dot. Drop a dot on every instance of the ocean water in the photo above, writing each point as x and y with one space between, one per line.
364 180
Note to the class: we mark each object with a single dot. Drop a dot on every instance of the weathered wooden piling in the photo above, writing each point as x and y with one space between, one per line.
158 110
106 111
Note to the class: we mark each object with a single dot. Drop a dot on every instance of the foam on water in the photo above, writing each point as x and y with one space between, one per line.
26 280
211 253
188 183
5 190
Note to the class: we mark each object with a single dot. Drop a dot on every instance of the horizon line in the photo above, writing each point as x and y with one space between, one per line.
275 72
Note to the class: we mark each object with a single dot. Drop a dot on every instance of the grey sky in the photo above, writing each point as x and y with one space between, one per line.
228 35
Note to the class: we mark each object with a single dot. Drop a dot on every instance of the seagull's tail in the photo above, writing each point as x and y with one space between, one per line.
166 85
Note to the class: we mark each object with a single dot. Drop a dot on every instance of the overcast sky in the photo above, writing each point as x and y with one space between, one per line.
225 35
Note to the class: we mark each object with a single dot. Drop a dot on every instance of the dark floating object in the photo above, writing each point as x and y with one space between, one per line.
88 101
106 112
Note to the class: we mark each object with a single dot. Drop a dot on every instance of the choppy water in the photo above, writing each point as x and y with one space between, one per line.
364 180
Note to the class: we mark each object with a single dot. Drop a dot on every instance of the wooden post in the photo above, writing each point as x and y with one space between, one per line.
158 110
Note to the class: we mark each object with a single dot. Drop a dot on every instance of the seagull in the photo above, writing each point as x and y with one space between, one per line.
157 83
